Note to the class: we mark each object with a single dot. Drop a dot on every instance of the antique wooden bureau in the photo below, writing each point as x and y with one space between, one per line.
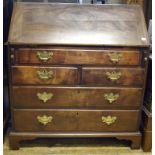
77 71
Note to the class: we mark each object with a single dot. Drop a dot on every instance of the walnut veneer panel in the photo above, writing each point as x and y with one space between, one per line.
75 97
74 24
75 120
108 76
58 75
77 56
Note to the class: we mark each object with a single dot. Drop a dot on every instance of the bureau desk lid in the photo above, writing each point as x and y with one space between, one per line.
75 24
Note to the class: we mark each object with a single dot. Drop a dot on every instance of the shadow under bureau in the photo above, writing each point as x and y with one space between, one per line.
77 71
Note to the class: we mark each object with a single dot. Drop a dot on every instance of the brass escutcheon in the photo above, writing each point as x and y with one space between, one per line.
45 74
111 97
44 119
113 76
109 119
44 56
115 57
44 96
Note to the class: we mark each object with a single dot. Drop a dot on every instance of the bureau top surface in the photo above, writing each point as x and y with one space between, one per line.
75 24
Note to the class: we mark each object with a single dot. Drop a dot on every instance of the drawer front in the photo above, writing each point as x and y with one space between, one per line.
76 97
78 56
113 76
75 120
44 75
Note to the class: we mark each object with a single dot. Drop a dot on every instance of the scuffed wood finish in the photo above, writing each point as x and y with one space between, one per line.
76 97
29 75
74 24
78 56
97 76
75 120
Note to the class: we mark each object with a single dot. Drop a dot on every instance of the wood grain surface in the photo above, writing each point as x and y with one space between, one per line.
98 76
29 75
76 97
74 24
75 120
82 56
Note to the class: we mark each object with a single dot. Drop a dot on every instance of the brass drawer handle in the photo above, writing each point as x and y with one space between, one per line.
44 56
111 97
115 57
44 119
113 76
109 119
44 96
45 74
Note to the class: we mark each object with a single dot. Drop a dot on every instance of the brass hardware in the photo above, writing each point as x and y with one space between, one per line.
44 56
113 76
111 97
45 74
44 96
109 119
44 119
115 57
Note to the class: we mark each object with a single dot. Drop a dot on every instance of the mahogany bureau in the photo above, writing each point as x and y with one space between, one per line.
77 71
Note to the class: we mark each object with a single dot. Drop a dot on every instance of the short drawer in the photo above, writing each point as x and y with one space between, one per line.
44 75
76 97
113 76
77 56
75 120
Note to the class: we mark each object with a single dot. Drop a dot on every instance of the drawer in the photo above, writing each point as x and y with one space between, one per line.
76 97
75 120
113 76
44 75
77 56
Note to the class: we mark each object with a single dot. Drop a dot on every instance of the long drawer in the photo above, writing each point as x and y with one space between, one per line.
75 120
113 76
77 56
76 97
44 75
